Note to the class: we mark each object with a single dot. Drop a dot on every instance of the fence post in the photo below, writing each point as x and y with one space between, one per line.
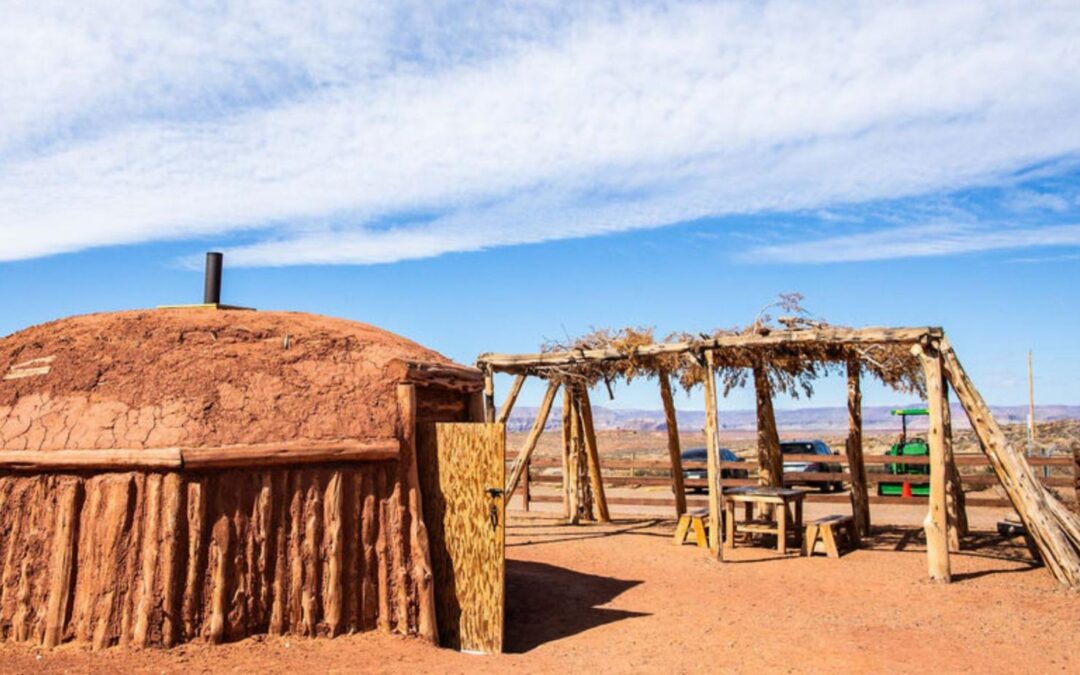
525 492
1076 469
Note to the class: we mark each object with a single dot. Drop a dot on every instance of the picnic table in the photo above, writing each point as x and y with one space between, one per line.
790 503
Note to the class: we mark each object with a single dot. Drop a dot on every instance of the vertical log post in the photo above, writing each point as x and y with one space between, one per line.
511 399
575 457
860 498
955 504
592 454
936 522
65 536
582 484
569 464
521 464
489 395
770 464
712 444
674 451
420 547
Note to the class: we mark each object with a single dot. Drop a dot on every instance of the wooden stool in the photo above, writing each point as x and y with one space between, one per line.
827 528
697 520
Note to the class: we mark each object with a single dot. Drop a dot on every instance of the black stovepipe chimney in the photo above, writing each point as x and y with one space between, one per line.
212 286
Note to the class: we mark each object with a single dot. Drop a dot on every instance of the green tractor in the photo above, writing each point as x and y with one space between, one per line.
907 447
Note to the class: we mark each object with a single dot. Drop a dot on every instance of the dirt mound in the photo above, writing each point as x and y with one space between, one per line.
197 377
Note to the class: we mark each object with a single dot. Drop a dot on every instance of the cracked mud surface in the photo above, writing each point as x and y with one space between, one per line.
159 378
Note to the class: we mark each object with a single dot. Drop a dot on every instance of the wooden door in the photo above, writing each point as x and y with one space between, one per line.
462 473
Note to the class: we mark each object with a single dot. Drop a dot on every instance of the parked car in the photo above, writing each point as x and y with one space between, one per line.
810 448
702 455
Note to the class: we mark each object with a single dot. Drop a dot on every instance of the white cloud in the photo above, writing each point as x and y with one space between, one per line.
323 132
914 242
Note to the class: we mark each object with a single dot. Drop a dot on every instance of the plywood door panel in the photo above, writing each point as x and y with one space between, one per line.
458 465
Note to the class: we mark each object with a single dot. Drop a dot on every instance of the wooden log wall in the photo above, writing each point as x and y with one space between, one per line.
158 558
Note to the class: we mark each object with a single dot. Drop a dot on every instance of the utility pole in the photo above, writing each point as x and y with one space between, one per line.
1032 441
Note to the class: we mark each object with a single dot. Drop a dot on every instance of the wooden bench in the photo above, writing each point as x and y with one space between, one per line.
827 529
696 520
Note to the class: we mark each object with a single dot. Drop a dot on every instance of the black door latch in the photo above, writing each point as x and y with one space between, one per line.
494 493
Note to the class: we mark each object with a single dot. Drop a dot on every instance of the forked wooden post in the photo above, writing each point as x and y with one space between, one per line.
712 445
511 399
674 451
770 464
592 453
936 522
521 464
860 498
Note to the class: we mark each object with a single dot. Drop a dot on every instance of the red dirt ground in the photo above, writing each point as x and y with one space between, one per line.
622 598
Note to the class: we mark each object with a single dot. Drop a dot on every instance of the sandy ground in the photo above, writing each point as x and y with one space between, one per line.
622 598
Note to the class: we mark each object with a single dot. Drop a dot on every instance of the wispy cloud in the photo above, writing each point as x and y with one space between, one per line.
915 242
375 134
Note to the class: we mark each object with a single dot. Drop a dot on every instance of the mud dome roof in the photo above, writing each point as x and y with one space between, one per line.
200 377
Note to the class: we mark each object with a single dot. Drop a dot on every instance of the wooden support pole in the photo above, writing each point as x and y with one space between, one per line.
712 444
955 505
936 522
860 498
574 452
1054 531
586 501
511 399
489 395
592 454
770 464
420 546
525 454
566 442
674 450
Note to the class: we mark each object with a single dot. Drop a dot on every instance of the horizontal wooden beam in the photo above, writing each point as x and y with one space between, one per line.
220 457
444 375
112 459
700 502
824 336
276 454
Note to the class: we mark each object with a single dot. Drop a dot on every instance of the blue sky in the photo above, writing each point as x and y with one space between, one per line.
482 177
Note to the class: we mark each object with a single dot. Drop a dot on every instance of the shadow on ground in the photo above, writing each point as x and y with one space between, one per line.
545 603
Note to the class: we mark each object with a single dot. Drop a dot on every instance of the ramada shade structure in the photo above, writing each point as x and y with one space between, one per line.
918 358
